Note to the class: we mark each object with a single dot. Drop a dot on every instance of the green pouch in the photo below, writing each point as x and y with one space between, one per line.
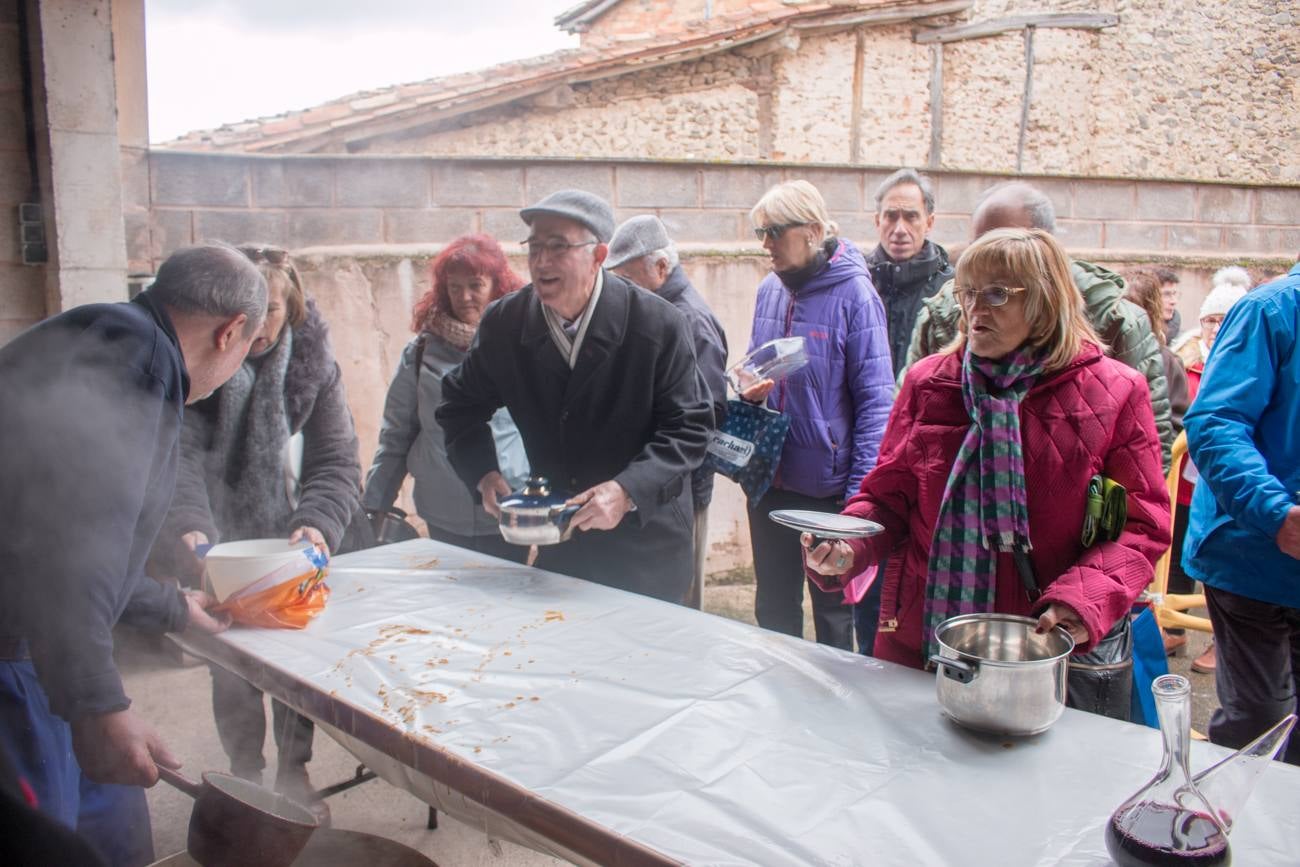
1106 512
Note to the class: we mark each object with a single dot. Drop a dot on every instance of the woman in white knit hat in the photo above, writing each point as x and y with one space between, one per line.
1193 354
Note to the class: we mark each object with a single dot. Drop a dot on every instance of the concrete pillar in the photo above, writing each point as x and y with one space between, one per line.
77 140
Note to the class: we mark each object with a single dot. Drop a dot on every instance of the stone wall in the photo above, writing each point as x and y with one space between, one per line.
1179 89
696 110
365 228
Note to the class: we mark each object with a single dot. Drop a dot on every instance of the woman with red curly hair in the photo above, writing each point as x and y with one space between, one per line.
468 275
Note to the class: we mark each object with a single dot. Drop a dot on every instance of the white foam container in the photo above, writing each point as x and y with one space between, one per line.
234 567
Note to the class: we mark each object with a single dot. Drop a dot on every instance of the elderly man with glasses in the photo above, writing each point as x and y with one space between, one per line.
601 379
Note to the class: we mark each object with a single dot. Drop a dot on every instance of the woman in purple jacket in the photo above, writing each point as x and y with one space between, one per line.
819 289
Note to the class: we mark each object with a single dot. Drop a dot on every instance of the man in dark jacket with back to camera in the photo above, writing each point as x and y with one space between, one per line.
600 377
92 403
642 252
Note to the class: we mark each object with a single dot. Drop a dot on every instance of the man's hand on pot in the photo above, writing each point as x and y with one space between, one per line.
602 507
1065 617
492 488
830 558
201 619
1288 538
119 747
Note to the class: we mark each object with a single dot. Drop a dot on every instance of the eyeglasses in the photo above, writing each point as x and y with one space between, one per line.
992 296
553 248
271 255
774 232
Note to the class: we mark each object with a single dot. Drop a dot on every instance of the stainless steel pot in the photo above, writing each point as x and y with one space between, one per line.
996 674
535 515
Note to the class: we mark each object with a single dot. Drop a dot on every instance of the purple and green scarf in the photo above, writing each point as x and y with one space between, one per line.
984 508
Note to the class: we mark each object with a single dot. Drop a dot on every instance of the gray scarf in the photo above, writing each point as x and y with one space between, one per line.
569 344
251 436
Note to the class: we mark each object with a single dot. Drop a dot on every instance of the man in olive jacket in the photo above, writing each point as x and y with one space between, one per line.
1121 324
600 378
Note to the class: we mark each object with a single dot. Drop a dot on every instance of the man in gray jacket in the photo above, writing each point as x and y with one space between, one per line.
1121 324
642 252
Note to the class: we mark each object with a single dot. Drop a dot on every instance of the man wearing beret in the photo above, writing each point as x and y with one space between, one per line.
642 252
600 377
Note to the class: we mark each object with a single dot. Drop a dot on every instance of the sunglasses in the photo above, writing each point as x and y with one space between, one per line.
270 255
774 232
992 296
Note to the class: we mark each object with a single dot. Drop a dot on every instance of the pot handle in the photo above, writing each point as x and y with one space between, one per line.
962 672
564 514
180 781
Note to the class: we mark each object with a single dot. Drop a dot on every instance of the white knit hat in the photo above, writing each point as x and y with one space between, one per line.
1220 300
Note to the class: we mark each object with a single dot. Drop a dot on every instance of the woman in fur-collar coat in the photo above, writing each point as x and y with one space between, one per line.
272 453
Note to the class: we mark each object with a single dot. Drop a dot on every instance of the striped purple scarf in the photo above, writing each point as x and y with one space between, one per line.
984 509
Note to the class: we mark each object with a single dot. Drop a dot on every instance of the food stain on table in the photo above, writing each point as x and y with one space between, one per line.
552 616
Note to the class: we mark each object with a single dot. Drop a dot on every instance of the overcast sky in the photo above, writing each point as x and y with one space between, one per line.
221 61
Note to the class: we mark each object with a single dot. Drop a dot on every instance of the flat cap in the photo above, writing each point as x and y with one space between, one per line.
637 236
578 205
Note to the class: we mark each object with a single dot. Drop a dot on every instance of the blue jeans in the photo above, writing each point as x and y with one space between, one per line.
114 819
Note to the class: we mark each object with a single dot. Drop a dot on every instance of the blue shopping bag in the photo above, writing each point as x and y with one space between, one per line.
1149 662
747 448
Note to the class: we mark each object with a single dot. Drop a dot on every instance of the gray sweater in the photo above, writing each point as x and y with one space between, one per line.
411 441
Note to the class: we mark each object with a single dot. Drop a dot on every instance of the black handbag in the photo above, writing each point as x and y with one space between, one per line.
391 526
386 526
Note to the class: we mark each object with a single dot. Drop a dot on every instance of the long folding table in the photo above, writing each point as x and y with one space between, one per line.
608 728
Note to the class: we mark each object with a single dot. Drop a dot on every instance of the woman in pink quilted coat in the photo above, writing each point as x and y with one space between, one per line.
986 460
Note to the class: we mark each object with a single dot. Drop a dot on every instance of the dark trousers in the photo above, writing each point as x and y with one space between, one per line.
241 726
866 613
778 569
1258 671
1179 581
113 819
493 546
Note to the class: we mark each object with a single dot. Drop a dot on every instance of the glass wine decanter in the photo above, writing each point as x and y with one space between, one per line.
1168 821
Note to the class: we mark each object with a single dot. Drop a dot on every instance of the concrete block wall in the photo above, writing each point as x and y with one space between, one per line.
309 201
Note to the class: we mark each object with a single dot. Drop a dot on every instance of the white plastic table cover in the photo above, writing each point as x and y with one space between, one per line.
609 728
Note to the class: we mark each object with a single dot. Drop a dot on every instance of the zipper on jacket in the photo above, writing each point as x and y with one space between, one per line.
780 386
789 326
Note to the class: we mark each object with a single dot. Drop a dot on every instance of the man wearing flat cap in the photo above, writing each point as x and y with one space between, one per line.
600 377
642 252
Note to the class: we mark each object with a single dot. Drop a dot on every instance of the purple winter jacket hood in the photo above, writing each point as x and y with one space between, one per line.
838 404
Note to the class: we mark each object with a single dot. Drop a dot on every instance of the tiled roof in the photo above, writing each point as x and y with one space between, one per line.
579 17
345 124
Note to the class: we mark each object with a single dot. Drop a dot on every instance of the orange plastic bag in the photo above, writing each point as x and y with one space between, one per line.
288 605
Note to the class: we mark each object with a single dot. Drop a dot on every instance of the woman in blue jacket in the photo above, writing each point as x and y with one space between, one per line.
819 289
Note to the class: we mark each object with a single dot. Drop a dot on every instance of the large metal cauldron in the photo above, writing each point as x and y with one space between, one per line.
996 674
